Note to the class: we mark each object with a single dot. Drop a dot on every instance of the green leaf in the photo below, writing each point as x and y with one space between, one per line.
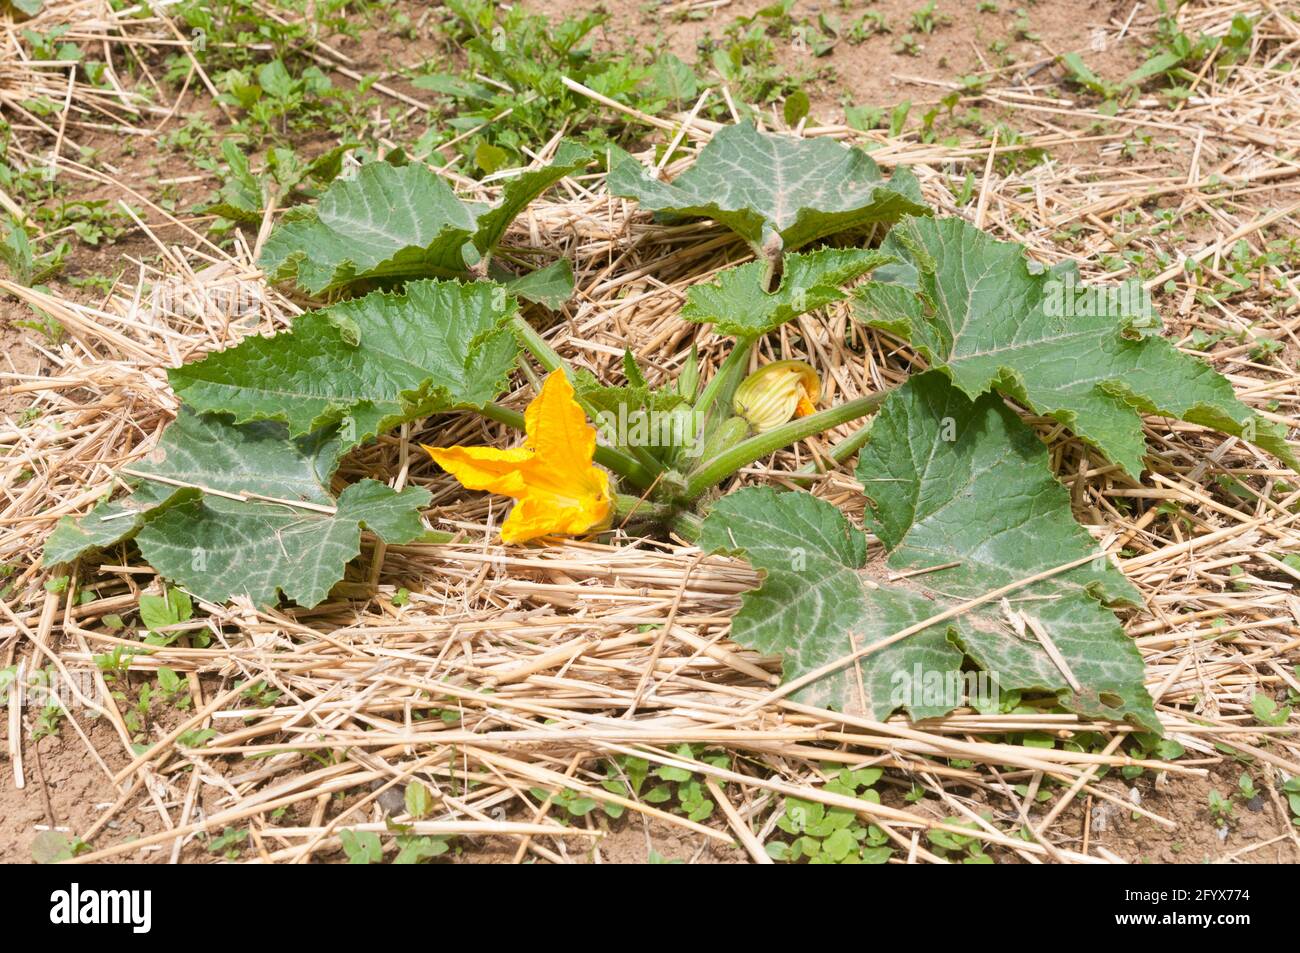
168 680
776 192
658 421
839 844
419 802
984 500
110 522
196 737
1085 77
622 400
368 364
394 223
738 303
54 847
241 197
1155 66
490 158
362 847
218 543
415 849
275 80
550 286
975 309
1268 712
777 850
173 607
387 222
795 108
519 191
449 85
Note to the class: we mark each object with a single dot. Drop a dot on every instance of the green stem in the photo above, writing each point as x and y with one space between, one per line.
746 452
684 523
841 452
626 505
733 367
608 457
503 415
688 525
546 355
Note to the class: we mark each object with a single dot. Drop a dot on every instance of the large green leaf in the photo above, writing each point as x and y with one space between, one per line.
952 483
518 191
367 364
386 223
394 223
738 302
230 510
776 192
977 310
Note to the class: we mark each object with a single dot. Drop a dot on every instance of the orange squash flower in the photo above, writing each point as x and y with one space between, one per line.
550 475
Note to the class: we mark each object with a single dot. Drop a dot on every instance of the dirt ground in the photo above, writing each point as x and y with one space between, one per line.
69 793
873 72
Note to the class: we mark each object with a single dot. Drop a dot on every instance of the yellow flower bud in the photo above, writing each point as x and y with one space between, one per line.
773 394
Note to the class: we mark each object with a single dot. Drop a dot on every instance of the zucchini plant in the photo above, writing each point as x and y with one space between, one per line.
241 496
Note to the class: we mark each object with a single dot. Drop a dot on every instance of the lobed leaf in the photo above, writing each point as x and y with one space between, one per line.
242 197
976 309
738 302
228 510
983 506
776 192
519 191
386 223
368 364
395 223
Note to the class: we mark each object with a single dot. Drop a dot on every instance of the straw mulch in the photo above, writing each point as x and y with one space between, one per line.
550 661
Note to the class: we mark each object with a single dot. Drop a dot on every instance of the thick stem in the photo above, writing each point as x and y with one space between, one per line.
503 415
546 355
746 452
682 522
688 525
640 508
732 369
840 452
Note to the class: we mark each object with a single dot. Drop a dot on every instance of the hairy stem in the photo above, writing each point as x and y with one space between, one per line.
733 367
546 355
841 452
684 523
746 452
